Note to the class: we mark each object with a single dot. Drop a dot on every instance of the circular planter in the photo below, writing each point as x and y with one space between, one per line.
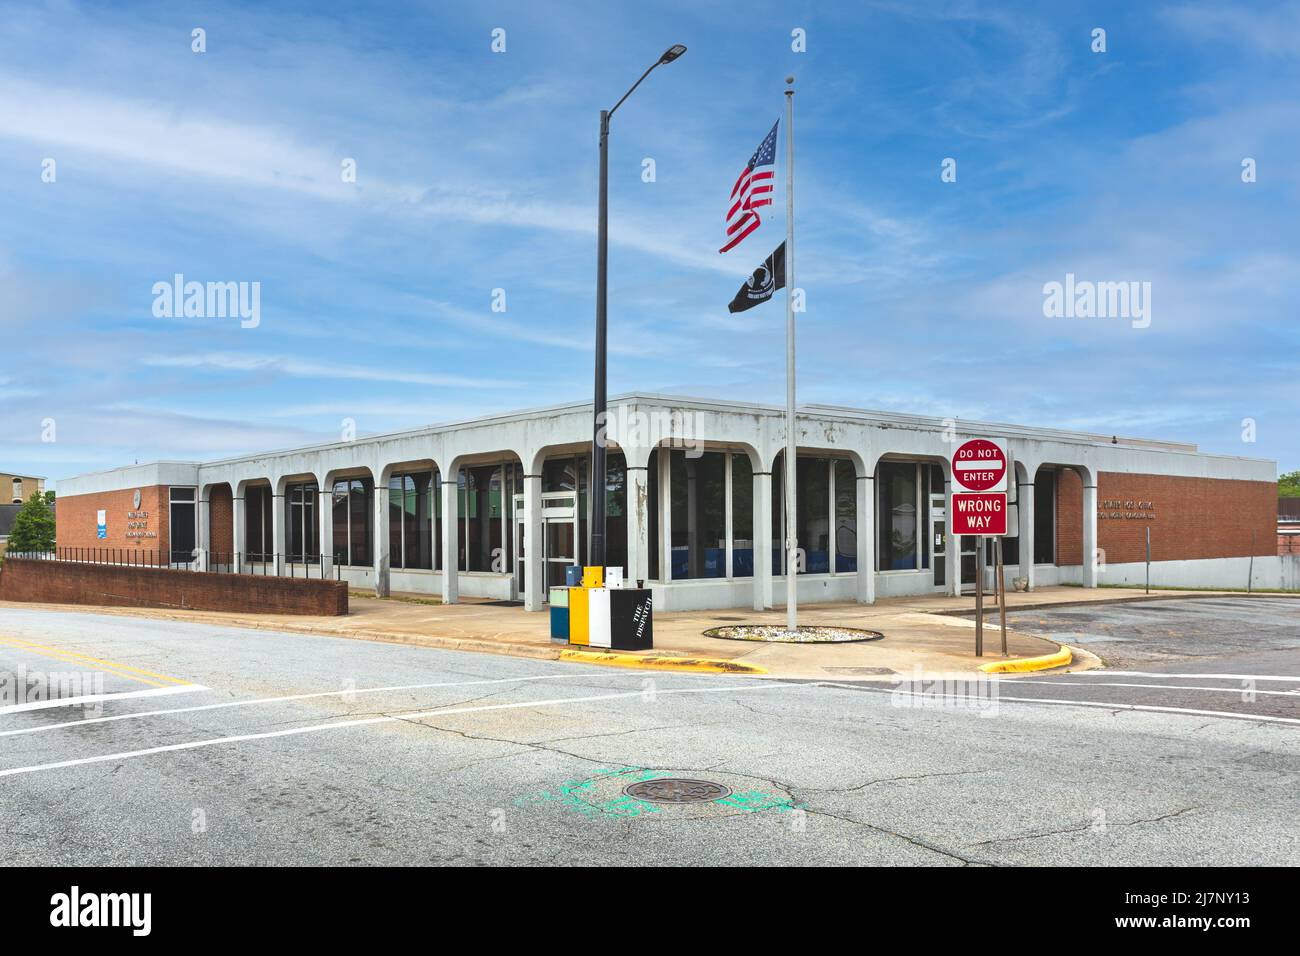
805 634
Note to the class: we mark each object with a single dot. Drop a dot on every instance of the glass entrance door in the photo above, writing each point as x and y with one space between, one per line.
559 541
939 539
559 536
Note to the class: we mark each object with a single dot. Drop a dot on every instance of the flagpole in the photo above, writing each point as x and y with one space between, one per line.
791 543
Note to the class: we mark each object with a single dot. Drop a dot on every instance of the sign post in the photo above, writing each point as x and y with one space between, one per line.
979 508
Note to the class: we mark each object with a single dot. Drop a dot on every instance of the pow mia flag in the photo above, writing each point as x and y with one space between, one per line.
760 287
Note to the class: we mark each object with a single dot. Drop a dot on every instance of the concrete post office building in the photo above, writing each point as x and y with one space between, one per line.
499 506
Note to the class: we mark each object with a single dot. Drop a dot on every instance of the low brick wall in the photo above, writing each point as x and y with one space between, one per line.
70 582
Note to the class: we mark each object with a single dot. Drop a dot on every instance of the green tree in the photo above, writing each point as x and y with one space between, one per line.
1288 485
33 528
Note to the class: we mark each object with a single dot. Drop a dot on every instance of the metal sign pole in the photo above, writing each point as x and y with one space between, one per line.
1001 592
979 595
1148 559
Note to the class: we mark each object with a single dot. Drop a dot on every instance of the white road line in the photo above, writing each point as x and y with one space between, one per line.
385 719
1154 708
98 698
1110 673
326 693
1212 690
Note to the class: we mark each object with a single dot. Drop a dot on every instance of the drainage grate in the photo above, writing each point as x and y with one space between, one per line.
677 790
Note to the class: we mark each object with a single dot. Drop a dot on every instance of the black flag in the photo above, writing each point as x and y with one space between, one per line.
759 287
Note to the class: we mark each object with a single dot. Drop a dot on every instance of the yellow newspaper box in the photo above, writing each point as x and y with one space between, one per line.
578 617
593 577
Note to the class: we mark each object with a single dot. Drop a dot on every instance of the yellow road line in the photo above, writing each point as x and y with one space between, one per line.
75 657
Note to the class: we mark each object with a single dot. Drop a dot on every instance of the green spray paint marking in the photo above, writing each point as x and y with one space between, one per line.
581 795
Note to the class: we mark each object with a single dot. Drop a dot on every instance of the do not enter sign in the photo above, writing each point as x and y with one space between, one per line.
979 465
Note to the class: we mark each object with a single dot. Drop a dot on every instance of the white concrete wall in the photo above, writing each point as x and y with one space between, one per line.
639 423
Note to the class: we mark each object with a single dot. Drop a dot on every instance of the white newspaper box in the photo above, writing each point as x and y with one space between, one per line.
598 617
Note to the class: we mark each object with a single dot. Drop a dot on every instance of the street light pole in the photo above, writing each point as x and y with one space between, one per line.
598 471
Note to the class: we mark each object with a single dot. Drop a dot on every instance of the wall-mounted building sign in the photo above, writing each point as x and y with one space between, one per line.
1127 509
101 524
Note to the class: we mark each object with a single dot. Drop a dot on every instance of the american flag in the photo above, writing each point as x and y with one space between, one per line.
752 189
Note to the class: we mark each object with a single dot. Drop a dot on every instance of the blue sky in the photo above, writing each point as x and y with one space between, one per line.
477 171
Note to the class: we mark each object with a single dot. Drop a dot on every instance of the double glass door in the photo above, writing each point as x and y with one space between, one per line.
560 542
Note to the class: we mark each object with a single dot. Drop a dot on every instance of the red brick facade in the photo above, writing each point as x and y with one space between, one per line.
67 582
221 518
1190 518
75 519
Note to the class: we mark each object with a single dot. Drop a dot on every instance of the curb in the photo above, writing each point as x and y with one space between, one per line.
697 665
1061 658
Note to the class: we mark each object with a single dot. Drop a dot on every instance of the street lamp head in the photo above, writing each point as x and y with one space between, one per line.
672 53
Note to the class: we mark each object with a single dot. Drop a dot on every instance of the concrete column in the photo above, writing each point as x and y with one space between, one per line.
762 540
534 569
953 546
638 524
1026 503
866 526
325 524
665 516
1090 557
450 530
238 529
203 533
279 542
380 538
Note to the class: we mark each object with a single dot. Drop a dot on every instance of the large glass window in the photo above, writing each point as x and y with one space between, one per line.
742 517
812 501
258 531
301 525
485 531
410 521
1045 516
778 514
652 494
182 524
846 516
616 510
699 519
898 511
353 501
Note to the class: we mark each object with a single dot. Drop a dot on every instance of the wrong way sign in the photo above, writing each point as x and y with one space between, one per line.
979 465
981 514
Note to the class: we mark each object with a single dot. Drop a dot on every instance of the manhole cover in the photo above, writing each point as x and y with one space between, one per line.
677 790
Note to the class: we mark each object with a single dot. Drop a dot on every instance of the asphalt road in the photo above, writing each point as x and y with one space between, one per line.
252 747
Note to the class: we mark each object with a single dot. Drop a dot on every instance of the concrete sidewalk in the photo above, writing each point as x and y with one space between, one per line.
931 633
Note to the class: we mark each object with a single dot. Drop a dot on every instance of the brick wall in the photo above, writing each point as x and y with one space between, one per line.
67 582
1069 517
221 520
1190 518
74 516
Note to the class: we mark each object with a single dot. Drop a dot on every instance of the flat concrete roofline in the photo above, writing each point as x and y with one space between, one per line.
847 413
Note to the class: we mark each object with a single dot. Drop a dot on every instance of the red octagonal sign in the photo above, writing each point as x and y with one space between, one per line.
979 465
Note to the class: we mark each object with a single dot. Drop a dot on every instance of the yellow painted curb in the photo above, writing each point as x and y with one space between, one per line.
699 665
1024 664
